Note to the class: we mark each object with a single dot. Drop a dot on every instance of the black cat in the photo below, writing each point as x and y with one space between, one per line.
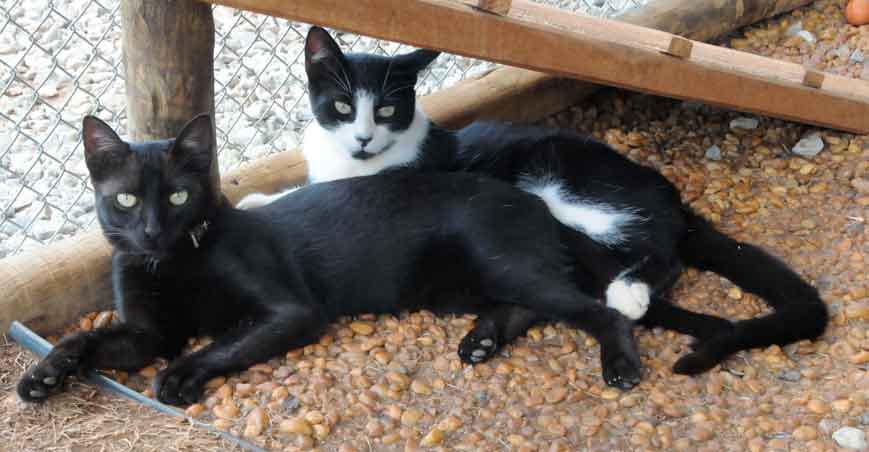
268 280
367 121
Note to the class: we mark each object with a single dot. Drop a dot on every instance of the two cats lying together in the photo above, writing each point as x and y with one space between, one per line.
518 225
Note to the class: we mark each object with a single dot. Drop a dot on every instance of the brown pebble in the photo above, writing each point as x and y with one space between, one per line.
391 438
701 434
817 407
148 372
257 421
420 387
296 425
86 324
103 320
226 410
450 423
321 431
433 438
860 357
411 417
374 428
194 410
215 383
362 328
805 433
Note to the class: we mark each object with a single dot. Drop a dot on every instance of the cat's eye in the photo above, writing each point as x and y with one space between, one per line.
178 198
126 200
386 112
343 108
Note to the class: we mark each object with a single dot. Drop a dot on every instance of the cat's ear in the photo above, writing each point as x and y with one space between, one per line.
104 150
321 50
414 62
193 149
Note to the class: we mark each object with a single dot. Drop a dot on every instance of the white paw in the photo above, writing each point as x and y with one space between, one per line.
631 298
254 200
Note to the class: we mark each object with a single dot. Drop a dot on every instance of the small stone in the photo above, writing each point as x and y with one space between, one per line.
861 184
860 357
789 375
257 421
296 425
744 123
148 372
807 36
450 423
850 438
818 407
735 293
194 410
856 57
362 328
864 418
794 29
805 433
227 410
841 405
809 146
420 388
103 320
434 437
610 394
411 417
713 153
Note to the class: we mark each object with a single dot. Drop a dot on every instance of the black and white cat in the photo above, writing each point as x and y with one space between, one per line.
367 121
268 280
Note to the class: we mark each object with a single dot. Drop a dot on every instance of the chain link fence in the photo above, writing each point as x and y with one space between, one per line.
61 60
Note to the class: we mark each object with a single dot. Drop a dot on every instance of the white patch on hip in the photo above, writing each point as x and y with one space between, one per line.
631 298
329 152
601 222
255 200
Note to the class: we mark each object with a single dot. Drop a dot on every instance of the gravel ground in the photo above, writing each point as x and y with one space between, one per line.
384 383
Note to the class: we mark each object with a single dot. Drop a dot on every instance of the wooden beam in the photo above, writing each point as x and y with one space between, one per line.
623 55
493 6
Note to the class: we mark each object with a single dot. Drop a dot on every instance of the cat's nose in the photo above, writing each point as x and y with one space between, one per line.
363 140
152 232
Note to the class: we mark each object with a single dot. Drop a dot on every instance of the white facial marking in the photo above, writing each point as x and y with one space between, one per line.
631 298
329 157
603 223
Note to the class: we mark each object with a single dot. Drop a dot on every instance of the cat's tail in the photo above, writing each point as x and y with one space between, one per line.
799 313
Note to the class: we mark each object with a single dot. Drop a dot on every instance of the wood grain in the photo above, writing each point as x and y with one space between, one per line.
623 55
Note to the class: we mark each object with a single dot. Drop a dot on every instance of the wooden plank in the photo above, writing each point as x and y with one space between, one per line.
493 6
679 47
623 55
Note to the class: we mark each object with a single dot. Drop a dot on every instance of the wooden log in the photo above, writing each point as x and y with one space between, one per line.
623 55
48 287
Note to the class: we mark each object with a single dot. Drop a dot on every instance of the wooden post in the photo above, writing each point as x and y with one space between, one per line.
169 66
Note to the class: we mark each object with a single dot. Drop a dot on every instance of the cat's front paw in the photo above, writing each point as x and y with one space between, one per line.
253 201
46 378
182 383
629 297
479 345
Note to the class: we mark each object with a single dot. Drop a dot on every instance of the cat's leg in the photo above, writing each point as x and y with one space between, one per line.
495 328
251 342
122 347
664 314
255 200
545 287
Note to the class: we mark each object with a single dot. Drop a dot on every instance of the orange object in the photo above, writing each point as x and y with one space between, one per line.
858 12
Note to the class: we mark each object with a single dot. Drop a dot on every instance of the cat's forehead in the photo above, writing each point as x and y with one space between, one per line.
374 73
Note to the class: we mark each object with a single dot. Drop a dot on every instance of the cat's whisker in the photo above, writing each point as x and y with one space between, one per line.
397 89
386 78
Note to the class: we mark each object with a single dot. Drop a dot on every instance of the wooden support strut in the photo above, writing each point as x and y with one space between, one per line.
624 56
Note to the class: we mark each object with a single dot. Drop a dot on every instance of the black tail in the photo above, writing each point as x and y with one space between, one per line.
799 311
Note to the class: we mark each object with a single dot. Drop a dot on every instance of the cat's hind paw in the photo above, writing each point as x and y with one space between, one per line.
479 345
629 297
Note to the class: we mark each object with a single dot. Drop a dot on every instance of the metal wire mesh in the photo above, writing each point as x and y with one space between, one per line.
61 60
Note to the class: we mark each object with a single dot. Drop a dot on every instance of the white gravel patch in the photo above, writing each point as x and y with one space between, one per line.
62 60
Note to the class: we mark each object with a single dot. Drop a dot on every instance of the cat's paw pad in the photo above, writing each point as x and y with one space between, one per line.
180 384
477 346
253 201
47 377
629 297
620 372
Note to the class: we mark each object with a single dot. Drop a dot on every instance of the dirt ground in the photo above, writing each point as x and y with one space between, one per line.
385 383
